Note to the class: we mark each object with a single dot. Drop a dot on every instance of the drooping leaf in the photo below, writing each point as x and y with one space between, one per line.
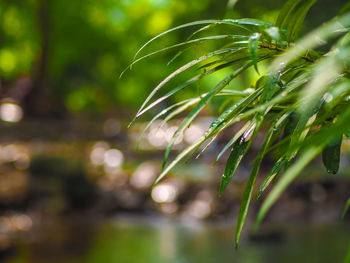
314 39
188 42
346 208
189 118
231 4
158 116
274 33
232 141
331 155
285 13
299 16
272 175
275 130
243 23
286 179
175 73
253 49
238 151
312 148
347 256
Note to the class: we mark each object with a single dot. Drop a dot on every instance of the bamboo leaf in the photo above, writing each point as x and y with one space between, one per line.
346 208
331 155
189 118
175 73
158 116
253 49
347 256
314 39
236 155
300 16
285 13
274 33
314 146
193 41
286 179
271 175
243 211
232 141
243 23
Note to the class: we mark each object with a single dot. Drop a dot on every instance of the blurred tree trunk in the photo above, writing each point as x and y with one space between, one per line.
40 101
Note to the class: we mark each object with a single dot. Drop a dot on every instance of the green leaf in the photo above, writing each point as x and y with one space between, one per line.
189 118
274 33
347 133
346 208
289 129
312 148
270 87
243 23
285 13
230 114
174 74
238 151
347 256
180 110
299 18
243 211
193 41
345 8
253 49
286 179
271 175
178 54
160 114
231 4
331 155
177 159
314 39
232 141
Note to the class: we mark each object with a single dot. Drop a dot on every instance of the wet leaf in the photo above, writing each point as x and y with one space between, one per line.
253 49
238 150
331 155
346 208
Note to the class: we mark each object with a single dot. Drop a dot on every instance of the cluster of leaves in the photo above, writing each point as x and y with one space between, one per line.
303 98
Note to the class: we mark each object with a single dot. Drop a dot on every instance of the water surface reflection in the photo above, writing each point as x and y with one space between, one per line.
165 241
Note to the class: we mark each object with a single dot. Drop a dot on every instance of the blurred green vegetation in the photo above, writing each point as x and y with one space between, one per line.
73 51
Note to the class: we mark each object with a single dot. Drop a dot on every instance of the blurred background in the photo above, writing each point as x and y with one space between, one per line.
73 185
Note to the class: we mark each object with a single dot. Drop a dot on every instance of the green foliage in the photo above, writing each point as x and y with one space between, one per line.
304 92
86 44
347 205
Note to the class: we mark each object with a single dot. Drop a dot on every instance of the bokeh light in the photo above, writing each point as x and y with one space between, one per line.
145 175
10 112
164 193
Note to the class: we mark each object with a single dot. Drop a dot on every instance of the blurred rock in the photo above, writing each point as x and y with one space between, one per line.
55 176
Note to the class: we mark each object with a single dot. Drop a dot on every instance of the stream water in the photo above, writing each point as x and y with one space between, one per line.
129 241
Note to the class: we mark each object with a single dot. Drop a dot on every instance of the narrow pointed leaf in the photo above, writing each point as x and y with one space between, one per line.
331 155
158 116
299 18
285 13
243 211
243 23
236 155
175 73
189 118
314 147
286 179
271 175
346 208
253 49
